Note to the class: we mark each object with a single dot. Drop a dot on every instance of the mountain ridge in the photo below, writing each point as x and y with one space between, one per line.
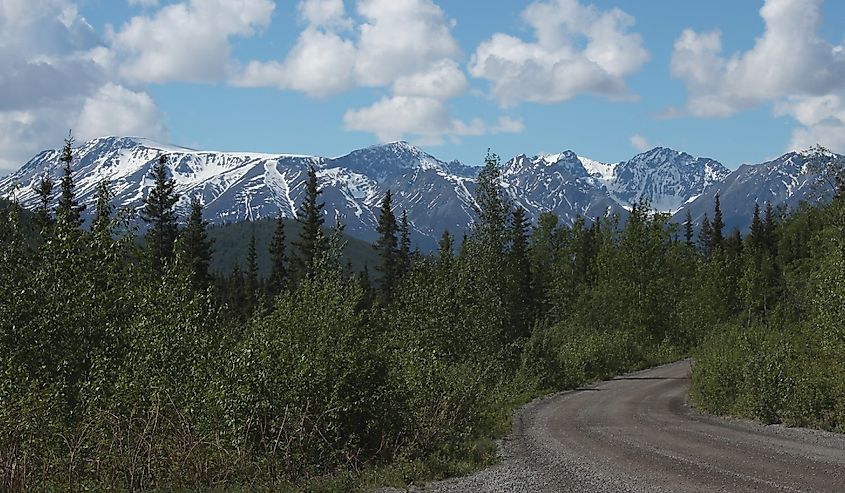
438 195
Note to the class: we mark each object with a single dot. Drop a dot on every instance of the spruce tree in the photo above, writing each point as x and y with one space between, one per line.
251 273
688 231
236 294
769 228
312 243
103 209
523 300
278 258
757 235
492 208
160 215
404 244
197 247
43 219
705 237
387 247
445 247
68 210
717 238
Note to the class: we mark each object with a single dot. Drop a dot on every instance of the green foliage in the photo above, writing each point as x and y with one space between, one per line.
231 246
312 242
160 216
387 247
68 209
196 246
114 379
779 360
278 258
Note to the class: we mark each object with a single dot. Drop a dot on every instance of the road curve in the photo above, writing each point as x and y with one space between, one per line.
637 433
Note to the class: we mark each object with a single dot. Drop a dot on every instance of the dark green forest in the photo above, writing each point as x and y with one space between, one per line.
138 365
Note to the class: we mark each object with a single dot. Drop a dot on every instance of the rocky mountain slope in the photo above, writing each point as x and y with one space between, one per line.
237 186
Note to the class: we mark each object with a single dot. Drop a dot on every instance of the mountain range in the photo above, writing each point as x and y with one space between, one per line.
438 195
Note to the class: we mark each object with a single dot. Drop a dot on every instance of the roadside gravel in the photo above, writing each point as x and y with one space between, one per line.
637 433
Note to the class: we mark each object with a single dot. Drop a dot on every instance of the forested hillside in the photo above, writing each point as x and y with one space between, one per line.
231 246
136 367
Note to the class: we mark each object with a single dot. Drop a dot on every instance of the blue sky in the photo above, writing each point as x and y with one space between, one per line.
735 81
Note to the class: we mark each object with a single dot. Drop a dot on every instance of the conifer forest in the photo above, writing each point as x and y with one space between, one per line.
127 363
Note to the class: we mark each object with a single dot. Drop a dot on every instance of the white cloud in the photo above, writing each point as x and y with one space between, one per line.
444 80
425 120
789 64
324 13
401 37
116 110
405 46
556 67
508 125
391 118
187 41
640 143
57 71
822 120
320 64
144 3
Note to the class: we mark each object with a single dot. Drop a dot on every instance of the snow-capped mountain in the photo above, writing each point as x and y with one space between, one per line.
437 195
237 186
667 178
558 183
785 181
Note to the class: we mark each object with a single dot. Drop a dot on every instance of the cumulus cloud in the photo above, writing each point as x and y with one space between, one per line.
789 64
186 41
640 143
404 42
444 80
320 64
577 49
405 46
57 76
116 110
324 13
508 125
423 119
401 37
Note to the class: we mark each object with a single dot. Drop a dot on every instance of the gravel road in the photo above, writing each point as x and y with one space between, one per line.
636 433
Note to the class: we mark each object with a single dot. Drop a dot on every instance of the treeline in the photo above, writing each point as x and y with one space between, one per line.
777 353
133 367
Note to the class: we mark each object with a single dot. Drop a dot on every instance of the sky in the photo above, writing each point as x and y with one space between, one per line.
737 81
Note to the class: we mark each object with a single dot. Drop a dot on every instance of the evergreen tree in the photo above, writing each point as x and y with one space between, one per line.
717 238
236 294
705 237
387 248
197 247
492 208
160 215
404 244
769 224
445 247
733 244
103 209
688 231
251 273
43 219
278 258
757 235
68 209
312 243
523 301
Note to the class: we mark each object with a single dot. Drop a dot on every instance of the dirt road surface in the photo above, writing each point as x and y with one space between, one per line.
637 433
